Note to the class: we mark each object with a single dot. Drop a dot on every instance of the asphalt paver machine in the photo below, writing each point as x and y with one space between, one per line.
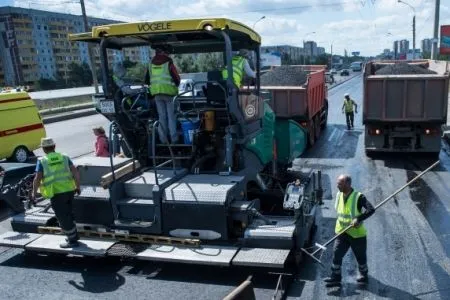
226 196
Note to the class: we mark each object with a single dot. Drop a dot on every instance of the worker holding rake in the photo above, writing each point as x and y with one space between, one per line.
349 206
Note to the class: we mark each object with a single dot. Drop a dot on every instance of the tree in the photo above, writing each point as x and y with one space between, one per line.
79 75
209 61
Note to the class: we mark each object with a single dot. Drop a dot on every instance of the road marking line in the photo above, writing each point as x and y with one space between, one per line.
332 134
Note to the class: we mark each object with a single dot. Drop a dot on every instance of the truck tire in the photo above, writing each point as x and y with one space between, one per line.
324 120
311 133
317 127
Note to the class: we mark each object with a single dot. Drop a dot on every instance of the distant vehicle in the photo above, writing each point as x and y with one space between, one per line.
333 71
21 127
345 72
356 66
186 85
329 78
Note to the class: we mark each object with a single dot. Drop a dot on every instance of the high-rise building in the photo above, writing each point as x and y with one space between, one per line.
396 49
34 44
2 75
403 46
320 50
310 48
426 45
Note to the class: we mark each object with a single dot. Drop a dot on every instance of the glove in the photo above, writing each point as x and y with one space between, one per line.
355 223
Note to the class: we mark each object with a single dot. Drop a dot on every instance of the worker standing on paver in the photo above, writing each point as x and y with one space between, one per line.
240 65
58 180
349 204
163 78
348 108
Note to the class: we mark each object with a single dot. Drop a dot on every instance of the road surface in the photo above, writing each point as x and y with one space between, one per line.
408 238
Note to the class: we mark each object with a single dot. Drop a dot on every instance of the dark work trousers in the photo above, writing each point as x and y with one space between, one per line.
62 206
340 248
349 116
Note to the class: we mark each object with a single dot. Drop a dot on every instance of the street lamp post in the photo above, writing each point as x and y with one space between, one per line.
263 17
414 26
304 50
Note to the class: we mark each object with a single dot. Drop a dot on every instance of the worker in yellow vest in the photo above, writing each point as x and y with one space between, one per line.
349 205
348 108
240 66
58 179
163 78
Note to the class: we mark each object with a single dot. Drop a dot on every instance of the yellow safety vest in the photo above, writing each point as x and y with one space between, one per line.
161 81
348 105
346 212
57 177
238 70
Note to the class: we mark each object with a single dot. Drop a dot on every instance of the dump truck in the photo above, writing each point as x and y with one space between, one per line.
304 103
405 105
225 196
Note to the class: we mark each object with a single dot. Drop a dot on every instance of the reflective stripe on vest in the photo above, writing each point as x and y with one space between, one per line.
346 212
238 70
348 105
57 177
161 82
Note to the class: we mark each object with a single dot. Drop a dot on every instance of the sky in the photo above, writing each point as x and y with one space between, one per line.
367 26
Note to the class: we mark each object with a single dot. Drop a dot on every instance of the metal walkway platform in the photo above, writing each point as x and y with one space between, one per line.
226 256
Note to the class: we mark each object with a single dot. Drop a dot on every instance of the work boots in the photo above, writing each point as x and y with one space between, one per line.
333 280
362 278
69 243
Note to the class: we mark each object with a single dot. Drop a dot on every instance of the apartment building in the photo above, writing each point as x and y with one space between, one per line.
34 45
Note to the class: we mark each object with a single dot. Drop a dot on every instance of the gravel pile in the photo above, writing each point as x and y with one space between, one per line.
403 69
284 75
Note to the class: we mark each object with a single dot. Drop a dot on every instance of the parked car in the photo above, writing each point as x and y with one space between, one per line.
345 72
186 85
333 71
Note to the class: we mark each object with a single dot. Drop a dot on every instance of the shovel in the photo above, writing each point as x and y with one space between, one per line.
324 246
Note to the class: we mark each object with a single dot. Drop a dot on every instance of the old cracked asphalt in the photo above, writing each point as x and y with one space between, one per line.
408 238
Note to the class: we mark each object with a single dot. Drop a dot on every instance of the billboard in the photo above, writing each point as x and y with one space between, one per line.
445 39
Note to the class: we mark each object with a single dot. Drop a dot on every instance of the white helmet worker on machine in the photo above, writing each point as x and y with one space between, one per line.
240 65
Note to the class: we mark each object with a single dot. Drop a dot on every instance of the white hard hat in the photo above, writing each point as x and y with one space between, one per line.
47 142
346 94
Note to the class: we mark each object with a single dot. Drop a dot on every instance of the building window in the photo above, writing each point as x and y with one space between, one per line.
45 27
39 27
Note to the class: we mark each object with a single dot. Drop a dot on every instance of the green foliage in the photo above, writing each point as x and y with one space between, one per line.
79 75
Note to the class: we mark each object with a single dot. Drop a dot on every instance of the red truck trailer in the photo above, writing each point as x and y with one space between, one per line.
307 104
404 113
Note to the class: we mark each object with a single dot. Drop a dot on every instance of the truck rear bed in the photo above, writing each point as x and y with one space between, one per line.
406 98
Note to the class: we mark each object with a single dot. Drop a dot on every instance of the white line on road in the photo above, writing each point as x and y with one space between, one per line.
332 135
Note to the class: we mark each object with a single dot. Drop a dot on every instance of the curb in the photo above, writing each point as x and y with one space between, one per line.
69 116
52 111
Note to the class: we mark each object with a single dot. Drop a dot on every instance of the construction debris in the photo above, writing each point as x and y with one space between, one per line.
284 76
403 69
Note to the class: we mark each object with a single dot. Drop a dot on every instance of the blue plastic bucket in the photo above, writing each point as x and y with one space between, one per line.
189 128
